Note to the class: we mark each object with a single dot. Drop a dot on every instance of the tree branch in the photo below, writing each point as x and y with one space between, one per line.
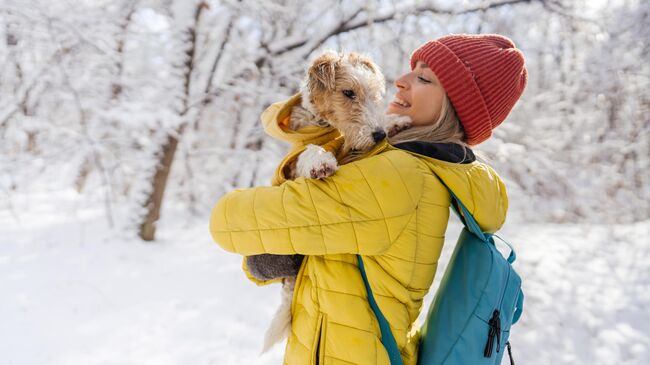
352 23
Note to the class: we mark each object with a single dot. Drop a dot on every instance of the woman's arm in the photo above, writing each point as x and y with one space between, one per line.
362 209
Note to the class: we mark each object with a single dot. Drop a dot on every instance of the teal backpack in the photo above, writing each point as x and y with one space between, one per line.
479 299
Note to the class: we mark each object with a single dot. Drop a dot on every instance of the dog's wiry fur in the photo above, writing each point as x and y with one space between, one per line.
344 91
331 79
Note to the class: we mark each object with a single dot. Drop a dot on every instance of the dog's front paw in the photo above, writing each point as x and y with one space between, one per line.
315 162
322 171
396 123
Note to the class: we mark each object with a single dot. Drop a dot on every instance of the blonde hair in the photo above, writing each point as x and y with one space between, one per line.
447 129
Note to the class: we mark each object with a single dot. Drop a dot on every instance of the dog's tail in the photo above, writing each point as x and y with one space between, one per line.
280 326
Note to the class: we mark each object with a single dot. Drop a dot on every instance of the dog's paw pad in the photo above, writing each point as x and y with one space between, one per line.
397 128
322 171
397 123
316 163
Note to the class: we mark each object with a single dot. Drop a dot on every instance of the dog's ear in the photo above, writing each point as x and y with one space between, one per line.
322 72
366 61
357 58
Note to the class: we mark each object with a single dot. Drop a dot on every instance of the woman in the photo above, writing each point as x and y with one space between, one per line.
390 207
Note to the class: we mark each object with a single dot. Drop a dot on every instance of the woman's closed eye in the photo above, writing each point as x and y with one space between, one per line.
424 80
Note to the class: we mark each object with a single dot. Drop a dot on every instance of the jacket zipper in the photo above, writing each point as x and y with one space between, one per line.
319 352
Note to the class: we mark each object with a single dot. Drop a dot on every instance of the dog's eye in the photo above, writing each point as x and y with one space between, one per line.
350 94
323 124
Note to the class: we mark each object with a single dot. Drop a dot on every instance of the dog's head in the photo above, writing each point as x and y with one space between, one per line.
347 91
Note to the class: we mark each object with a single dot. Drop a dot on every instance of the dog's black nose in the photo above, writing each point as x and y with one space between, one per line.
378 135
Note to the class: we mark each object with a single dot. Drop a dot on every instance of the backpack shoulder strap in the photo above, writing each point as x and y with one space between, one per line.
387 338
466 217
468 220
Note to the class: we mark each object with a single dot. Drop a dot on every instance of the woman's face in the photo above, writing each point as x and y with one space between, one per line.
419 96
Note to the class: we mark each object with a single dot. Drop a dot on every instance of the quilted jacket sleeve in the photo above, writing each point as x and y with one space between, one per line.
362 209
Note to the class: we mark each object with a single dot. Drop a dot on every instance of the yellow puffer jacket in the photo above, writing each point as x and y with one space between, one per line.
392 209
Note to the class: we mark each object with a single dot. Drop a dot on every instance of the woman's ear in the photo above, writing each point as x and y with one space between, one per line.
321 76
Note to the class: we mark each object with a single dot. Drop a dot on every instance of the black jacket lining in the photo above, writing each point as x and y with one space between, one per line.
450 152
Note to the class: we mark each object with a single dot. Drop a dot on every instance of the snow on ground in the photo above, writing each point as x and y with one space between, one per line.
75 292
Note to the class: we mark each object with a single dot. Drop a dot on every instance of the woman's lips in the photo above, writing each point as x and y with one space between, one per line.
400 106
401 103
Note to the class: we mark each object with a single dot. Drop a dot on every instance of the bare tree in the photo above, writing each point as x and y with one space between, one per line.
154 201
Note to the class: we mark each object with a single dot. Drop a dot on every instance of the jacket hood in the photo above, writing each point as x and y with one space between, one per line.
275 120
476 184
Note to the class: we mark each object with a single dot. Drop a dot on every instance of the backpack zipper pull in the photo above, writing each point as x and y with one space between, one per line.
495 329
498 329
512 362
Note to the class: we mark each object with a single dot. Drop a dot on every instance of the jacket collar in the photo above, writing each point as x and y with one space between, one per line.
450 152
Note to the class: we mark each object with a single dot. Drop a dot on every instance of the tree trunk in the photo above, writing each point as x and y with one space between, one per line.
155 198
153 203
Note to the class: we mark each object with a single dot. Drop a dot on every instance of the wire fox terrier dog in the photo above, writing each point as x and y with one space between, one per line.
344 91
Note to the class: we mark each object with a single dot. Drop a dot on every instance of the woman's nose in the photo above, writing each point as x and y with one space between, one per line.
400 83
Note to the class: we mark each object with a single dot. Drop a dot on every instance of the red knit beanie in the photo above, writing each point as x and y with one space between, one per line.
483 76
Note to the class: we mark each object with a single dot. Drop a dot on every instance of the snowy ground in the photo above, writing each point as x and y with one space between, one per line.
75 292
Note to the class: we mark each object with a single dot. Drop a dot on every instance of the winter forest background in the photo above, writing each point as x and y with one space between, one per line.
114 114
